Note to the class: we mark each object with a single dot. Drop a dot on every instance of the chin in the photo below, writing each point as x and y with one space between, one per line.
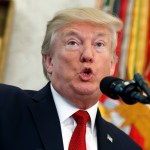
85 89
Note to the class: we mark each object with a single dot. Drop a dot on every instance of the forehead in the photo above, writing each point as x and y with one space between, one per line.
82 27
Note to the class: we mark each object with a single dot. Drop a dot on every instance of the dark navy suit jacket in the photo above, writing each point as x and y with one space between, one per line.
29 121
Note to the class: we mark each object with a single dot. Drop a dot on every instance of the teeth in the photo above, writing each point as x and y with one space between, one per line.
87 71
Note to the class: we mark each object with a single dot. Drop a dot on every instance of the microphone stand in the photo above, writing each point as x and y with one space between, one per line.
140 82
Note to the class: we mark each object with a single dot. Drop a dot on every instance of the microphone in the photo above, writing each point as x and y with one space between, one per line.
117 88
142 84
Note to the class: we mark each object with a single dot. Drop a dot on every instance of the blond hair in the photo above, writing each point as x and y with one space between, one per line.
66 16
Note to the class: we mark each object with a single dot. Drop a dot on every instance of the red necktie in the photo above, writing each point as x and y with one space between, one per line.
77 141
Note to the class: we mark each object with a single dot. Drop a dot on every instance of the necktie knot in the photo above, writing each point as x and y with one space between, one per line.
81 117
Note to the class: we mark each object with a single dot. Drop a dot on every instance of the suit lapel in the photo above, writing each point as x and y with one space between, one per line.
46 119
104 136
47 122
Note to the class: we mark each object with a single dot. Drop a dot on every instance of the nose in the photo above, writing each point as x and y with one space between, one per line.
87 54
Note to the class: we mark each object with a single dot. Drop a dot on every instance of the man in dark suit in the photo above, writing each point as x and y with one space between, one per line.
78 51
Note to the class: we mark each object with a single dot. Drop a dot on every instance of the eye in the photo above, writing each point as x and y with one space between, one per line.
72 43
99 44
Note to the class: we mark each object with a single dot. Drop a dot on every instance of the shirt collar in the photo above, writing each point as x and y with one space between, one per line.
62 105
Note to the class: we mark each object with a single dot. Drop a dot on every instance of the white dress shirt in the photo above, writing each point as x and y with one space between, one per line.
65 111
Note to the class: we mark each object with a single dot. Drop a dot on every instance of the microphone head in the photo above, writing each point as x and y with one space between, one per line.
116 88
107 85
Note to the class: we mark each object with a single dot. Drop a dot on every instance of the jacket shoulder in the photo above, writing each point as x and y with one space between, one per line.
11 94
8 90
112 136
121 137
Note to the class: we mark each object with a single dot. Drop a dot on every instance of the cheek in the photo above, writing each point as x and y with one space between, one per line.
64 65
68 59
107 67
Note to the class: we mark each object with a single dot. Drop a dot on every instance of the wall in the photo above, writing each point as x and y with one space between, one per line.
24 67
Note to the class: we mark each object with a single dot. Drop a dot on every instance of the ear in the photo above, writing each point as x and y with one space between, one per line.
47 61
113 62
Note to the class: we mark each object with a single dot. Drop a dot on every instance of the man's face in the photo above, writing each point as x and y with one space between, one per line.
81 57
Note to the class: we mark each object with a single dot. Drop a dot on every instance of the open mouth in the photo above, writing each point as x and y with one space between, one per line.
87 71
86 74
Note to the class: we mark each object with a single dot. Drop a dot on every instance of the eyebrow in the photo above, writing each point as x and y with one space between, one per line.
78 34
71 32
102 34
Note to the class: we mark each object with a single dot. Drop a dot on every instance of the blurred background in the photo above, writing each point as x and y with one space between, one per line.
28 20
22 29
